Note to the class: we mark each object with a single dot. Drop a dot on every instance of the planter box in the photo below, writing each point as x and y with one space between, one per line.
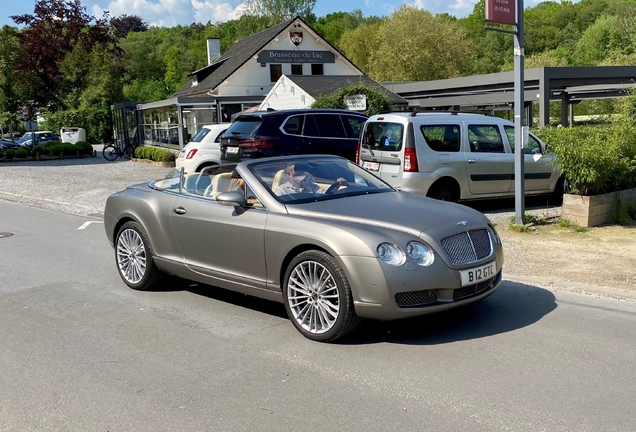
159 164
589 211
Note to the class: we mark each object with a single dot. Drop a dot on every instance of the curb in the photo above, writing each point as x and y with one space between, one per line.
159 164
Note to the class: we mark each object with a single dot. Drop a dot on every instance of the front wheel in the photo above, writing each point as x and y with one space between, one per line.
110 153
443 192
134 258
318 297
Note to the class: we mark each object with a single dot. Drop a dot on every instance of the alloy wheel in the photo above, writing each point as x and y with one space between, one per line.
313 297
131 256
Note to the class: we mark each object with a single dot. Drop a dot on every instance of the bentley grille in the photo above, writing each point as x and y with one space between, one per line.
468 246
471 290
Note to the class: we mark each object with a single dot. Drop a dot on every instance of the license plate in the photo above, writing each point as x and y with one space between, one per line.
478 274
371 166
231 150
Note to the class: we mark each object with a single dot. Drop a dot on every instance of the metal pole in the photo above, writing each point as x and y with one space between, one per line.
519 112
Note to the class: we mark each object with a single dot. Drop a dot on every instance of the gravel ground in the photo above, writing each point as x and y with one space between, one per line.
77 186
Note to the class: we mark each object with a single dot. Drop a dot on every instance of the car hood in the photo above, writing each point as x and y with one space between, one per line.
402 211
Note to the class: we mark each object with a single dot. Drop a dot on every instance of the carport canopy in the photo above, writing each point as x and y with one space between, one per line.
569 85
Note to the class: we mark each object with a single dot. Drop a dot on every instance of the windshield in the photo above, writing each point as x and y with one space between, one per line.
202 133
307 179
26 136
243 126
171 182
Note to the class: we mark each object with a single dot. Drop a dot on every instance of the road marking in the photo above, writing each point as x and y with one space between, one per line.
85 224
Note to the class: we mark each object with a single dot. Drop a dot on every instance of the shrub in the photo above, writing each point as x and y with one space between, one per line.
84 147
376 99
97 121
53 150
38 150
10 154
154 154
22 153
597 160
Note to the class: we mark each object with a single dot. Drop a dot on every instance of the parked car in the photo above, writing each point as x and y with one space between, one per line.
8 145
454 156
203 150
40 137
292 132
348 247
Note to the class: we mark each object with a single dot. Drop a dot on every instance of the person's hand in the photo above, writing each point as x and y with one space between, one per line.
341 181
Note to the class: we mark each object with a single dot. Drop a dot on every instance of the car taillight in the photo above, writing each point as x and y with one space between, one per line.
410 160
191 153
358 150
255 144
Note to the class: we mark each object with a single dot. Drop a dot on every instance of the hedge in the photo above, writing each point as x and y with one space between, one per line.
97 121
154 154
596 159
376 99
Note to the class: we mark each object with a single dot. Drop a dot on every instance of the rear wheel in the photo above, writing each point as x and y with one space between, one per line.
134 258
318 297
110 153
444 192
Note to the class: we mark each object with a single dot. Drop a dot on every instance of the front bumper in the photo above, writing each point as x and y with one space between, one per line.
387 292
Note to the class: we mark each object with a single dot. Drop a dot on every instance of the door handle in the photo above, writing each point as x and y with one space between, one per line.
472 161
179 210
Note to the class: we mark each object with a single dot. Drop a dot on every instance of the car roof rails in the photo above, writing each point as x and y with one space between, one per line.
451 112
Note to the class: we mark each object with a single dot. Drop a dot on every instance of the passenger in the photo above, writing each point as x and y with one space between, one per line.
300 181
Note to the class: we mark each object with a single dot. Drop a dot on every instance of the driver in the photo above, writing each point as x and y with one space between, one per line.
299 181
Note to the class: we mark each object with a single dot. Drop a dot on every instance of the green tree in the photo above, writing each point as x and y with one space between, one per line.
359 43
598 40
278 11
415 45
332 26
9 99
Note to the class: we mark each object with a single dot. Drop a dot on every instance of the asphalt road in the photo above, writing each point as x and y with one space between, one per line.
82 352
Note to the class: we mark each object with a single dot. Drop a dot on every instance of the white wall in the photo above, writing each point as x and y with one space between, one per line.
286 95
253 79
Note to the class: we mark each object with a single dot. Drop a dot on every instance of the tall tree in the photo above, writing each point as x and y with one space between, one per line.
50 33
429 47
280 10
8 52
125 24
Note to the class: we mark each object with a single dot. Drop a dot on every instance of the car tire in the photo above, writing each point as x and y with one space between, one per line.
134 258
321 310
442 192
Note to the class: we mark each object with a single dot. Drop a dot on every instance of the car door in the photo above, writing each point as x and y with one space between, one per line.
381 150
489 166
217 240
538 166
329 137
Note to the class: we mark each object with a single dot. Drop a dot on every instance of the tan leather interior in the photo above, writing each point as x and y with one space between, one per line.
278 179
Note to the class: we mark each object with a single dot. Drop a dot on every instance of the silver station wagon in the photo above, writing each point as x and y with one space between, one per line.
454 156
330 240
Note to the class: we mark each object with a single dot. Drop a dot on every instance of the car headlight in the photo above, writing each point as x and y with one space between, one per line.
391 254
420 253
495 235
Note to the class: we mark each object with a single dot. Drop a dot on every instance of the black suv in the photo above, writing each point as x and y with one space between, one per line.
290 132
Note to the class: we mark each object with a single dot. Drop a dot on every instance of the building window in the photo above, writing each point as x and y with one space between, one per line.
317 69
297 69
275 72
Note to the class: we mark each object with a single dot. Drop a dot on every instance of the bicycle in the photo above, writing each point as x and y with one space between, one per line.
122 149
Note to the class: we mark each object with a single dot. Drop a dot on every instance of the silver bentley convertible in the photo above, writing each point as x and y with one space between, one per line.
320 234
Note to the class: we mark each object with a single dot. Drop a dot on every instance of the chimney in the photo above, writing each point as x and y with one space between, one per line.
214 49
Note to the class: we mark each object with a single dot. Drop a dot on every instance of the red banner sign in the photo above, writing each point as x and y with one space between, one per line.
501 11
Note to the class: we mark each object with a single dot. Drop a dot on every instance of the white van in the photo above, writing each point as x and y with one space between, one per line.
203 150
453 156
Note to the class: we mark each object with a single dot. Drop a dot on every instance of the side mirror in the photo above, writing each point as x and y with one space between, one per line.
234 199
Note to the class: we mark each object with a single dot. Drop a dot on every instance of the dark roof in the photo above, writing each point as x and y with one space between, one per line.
323 85
211 76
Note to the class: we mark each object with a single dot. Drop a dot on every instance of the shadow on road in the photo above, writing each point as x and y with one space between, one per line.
511 307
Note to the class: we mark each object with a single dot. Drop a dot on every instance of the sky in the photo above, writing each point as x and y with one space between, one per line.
168 13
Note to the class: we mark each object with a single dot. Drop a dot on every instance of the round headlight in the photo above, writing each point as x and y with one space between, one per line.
420 253
495 235
391 254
